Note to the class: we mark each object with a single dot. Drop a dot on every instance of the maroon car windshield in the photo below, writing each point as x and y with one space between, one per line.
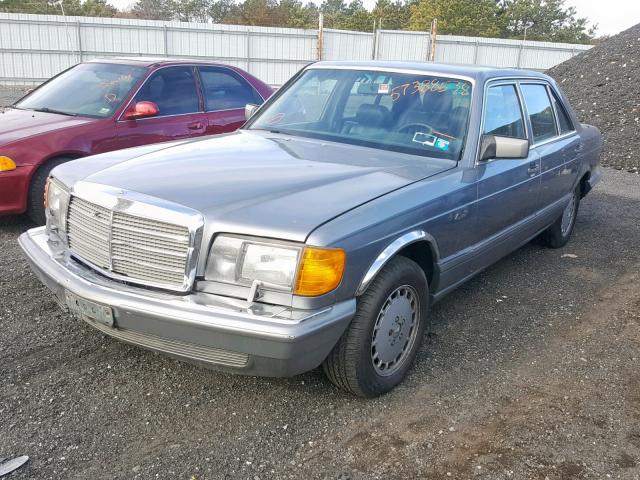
88 89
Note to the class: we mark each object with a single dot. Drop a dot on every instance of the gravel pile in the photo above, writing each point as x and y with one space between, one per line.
603 85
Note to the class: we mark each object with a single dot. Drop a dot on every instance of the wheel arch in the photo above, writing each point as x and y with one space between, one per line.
416 245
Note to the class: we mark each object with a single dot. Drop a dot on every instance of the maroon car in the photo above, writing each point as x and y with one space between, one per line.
110 104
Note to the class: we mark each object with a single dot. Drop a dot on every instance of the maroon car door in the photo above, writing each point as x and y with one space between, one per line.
174 90
226 93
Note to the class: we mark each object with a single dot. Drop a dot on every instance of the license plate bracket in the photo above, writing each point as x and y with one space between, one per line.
88 310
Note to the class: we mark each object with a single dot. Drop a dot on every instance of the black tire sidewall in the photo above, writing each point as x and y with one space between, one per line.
35 205
400 271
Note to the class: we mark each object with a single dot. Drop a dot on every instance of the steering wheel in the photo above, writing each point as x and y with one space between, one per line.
111 97
414 127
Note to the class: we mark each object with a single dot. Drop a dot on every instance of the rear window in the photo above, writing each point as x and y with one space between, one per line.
224 90
564 123
543 124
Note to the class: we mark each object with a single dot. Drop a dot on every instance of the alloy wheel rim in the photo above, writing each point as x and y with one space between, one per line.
568 215
395 330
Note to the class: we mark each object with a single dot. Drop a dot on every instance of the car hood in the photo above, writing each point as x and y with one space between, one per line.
21 124
258 183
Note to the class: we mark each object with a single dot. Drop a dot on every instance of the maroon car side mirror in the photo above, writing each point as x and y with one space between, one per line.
141 110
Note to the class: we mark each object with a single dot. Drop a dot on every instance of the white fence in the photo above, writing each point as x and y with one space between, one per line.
35 47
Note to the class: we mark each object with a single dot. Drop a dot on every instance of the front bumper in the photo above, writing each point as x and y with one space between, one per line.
13 190
218 332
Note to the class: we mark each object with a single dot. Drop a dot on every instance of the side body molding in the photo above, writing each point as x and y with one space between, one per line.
393 248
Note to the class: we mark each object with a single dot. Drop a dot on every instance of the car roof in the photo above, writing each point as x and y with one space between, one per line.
153 61
475 72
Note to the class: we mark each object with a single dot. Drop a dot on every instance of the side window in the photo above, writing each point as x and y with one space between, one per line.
564 122
224 90
543 124
173 89
503 115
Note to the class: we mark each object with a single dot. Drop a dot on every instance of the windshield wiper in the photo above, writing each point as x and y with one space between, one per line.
51 110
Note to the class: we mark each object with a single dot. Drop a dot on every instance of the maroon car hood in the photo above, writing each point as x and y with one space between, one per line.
21 124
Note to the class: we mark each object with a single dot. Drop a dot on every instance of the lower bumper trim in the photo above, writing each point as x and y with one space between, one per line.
190 351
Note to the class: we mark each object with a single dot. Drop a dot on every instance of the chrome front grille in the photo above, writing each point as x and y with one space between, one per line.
133 248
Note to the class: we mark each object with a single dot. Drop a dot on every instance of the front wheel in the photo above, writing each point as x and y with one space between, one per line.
377 350
558 234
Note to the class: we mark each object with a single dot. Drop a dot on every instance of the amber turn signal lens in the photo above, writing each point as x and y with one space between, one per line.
6 164
320 271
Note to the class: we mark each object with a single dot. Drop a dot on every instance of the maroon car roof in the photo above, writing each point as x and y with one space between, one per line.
149 61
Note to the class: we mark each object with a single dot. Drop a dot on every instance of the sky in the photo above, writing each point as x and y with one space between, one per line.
612 16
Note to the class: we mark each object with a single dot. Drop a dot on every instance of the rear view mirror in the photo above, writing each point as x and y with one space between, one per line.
492 146
141 110
249 110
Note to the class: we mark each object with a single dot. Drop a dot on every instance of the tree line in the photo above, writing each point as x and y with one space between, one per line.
545 20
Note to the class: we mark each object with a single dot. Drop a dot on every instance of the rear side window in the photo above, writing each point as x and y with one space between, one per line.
564 123
503 115
173 89
224 90
543 124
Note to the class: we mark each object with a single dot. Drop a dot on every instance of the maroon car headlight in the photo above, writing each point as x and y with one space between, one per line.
56 203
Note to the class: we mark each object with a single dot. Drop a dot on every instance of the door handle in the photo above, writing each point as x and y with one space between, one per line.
195 126
533 168
579 148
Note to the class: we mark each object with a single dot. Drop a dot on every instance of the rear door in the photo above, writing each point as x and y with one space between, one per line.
174 90
555 139
508 189
225 93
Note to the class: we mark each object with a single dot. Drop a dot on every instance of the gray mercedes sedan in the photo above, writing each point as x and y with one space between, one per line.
322 231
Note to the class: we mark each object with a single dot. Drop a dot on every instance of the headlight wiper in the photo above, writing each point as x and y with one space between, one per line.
51 110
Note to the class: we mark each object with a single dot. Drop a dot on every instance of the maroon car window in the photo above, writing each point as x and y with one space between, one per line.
173 90
88 89
224 90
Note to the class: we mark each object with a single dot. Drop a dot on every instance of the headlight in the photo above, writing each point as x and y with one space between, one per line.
303 270
56 202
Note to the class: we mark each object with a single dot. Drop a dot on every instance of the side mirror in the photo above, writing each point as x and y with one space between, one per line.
249 110
141 110
492 146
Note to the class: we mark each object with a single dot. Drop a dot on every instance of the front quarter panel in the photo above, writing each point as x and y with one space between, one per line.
443 207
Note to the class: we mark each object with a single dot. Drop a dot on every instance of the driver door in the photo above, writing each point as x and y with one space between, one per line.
174 90
508 189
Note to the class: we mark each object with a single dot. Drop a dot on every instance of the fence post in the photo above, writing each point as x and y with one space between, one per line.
79 40
434 37
320 40
248 48
475 52
376 40
165 37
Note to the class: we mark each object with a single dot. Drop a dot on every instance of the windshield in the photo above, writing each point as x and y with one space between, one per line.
90 89
404 112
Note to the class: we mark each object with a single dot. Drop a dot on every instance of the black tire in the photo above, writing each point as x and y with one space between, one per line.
350 365
557 236
35 205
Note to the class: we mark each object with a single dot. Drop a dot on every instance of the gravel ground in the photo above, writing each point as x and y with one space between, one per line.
603 85
8 95
530 371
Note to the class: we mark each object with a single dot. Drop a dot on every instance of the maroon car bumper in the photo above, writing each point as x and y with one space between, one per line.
14 186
